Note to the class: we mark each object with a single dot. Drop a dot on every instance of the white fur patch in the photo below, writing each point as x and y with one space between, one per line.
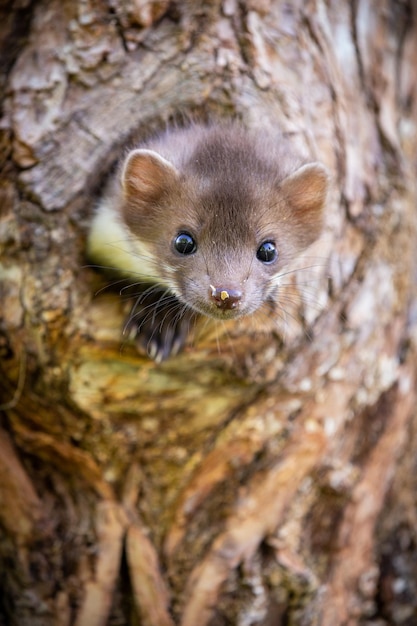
113 246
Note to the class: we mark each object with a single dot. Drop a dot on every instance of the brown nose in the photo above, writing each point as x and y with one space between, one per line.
224 297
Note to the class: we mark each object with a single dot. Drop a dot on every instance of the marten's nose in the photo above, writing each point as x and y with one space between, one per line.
225 298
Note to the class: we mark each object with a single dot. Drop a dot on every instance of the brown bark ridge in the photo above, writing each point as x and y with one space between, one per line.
266 475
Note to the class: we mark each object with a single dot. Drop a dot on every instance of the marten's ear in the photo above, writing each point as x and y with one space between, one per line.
146 175
305 193
306 189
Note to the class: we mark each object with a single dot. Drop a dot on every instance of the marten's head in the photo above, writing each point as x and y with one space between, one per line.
224 222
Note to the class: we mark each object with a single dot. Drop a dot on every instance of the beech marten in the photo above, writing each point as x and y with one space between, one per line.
207 218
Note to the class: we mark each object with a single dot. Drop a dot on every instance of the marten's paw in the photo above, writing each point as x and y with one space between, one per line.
159 324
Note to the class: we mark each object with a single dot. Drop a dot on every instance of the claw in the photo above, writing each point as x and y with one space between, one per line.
159 326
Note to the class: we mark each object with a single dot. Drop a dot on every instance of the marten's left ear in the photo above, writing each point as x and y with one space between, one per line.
146 175
306 189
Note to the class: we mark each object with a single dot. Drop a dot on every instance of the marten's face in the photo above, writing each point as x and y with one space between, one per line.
218 254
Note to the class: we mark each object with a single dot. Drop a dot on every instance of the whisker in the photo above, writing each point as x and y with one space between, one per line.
113 268
150 309
304 295
109 286
295 271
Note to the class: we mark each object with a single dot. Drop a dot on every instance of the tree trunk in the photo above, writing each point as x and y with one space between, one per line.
267 474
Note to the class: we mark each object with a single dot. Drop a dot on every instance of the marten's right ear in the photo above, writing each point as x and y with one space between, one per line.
146 175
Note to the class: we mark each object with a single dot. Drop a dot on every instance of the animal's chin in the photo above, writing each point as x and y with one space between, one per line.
221 314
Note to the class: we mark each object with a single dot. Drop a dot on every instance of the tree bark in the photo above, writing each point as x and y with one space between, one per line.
266 475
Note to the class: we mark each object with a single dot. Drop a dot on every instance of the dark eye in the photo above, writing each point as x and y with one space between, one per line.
185 244
267 252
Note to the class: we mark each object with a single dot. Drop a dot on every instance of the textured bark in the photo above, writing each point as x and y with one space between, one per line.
267 474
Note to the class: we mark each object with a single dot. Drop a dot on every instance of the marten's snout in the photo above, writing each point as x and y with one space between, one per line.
225 298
